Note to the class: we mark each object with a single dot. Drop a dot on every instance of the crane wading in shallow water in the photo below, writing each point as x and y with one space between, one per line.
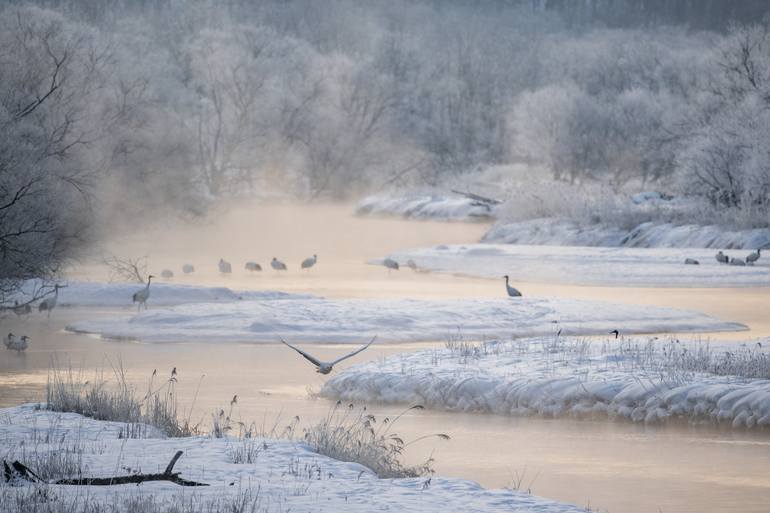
277 265
309 262
49 304
390 264
252 266
141 296
511 291
326 367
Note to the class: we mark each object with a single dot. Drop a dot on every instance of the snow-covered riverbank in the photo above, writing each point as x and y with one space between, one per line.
628 267
283 475
319 320
635 379
563 232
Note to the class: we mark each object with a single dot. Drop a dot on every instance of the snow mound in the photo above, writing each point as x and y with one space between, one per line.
557 377
289 474
629 267
164 294
425 206
562 232
394 320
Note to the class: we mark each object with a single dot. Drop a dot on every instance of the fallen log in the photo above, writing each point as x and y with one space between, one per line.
18 471
476 197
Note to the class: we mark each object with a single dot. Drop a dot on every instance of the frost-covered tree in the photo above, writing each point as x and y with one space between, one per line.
56 106
725 156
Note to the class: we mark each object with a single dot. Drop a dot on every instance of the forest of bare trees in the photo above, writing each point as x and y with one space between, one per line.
112 109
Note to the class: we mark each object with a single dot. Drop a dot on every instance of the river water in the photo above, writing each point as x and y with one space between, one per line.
608 466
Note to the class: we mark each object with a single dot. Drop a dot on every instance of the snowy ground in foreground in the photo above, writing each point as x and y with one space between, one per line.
395 320
631 267
120 294
286 476
563 232
632 379
425 206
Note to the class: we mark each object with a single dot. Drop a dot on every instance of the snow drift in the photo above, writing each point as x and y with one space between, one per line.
120 294
563 232
426 206
557 377
288 473
394 320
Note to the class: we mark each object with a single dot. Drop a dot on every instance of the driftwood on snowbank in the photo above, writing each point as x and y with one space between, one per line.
486 201
18 471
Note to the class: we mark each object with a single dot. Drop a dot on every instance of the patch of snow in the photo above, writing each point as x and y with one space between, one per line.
425 206
557 377
287 476
630 267
394 320
161 294
563 232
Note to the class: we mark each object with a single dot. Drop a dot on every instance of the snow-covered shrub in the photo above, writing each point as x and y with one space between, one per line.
349 435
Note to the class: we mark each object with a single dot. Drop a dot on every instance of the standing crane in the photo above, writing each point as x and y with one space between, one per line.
253 266
141 296
511 291
753 257
277 265
309 262
722 258
47 305
225 267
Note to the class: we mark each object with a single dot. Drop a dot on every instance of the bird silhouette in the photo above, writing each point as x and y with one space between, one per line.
252 266
309 262
47 305
753 257
722 258
141 296
390 264
326 367
277 265
511 291
225 267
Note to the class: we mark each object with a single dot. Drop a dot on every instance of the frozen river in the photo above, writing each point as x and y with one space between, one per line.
613 466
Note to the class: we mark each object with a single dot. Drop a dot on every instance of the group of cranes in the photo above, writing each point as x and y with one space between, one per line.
46 305
226 268
393 265
751 258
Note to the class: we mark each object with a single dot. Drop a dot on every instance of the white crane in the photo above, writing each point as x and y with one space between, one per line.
390 264
167 273
253 266
722 258
511 291
326 367
16 345
309 262
49 304
225 267
188 268
753 257
737 261
277 265
141 296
